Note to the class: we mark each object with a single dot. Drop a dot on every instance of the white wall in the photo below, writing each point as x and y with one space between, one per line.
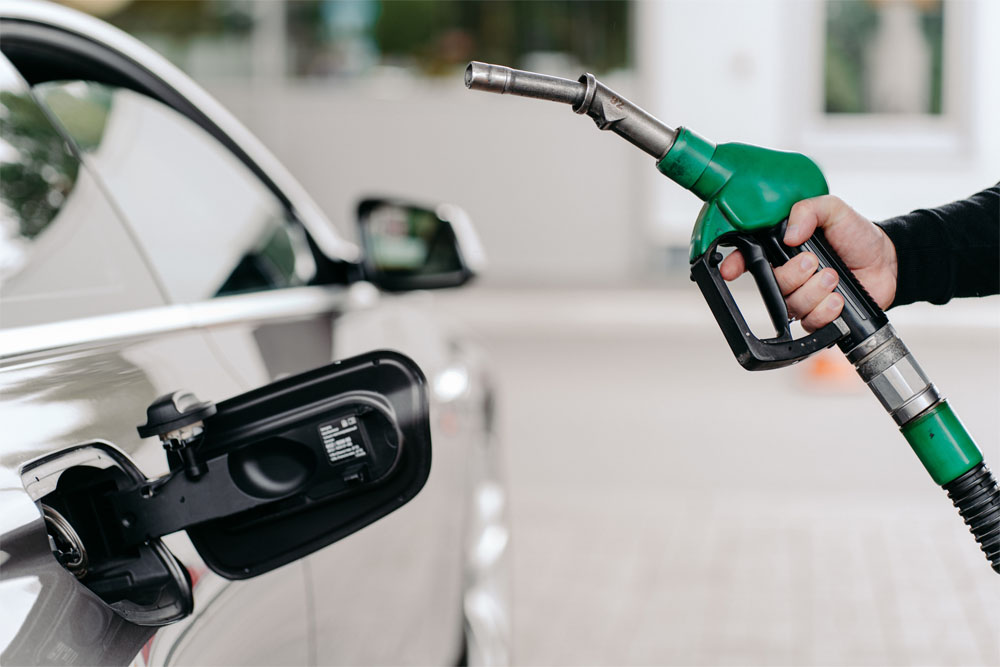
751 72
557 203
551 198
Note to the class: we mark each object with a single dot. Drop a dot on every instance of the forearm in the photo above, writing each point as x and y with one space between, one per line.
949 251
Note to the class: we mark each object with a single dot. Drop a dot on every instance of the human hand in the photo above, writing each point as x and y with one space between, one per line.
863 247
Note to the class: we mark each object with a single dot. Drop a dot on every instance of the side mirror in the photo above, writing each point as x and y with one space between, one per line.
408 247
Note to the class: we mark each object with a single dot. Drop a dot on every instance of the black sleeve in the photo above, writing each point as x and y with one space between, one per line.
947 252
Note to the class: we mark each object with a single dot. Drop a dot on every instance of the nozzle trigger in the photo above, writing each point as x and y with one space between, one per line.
752 352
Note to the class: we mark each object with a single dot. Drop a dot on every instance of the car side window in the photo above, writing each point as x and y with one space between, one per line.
208 225
64 251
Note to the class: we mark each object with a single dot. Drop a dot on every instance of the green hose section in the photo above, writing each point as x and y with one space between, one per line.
942 444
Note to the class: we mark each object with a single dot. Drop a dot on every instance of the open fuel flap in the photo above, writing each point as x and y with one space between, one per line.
257 480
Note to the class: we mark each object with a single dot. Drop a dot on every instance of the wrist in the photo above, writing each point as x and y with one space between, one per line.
890 264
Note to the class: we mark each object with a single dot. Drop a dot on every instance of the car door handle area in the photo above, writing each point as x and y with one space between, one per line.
257 480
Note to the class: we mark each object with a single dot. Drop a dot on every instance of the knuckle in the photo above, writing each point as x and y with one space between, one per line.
815 320
809 325
834 303
789 279
800 212
809 295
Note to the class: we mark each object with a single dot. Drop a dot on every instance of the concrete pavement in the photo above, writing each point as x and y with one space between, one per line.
671 508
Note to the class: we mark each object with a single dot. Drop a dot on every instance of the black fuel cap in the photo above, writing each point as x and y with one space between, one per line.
173 411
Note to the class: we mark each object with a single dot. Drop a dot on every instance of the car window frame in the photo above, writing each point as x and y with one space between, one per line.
76 54
119 219
146 110
84 55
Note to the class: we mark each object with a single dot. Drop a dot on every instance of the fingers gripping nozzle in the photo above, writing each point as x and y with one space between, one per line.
587 95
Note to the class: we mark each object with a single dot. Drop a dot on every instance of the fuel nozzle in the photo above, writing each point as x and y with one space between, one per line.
586 95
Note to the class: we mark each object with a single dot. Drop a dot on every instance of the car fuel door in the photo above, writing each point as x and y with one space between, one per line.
274 474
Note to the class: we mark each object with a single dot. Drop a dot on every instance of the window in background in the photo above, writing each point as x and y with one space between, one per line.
322 38
433 37
205 38
884 57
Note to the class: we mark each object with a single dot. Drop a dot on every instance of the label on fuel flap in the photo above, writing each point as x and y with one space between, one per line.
342 439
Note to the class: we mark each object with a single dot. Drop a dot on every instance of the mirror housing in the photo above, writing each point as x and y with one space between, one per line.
412 247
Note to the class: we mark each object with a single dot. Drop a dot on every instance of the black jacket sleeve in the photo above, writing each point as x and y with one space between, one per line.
946 252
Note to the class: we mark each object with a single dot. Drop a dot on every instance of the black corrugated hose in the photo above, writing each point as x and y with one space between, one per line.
977 498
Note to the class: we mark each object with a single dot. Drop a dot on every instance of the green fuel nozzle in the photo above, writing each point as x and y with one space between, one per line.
748 193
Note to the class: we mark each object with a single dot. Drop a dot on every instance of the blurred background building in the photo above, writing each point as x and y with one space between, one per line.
892 97
812 536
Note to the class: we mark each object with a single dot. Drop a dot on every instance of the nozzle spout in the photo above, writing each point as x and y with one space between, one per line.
587 95
508 81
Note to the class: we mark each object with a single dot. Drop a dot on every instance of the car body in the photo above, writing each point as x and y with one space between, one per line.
151 244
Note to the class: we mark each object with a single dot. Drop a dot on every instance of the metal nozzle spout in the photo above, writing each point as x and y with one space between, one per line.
508 81
587 96
483 76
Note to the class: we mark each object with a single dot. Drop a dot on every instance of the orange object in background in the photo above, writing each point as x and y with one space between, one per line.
829 371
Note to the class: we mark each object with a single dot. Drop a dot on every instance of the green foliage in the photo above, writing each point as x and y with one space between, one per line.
850 28
183 19
933 25
436 34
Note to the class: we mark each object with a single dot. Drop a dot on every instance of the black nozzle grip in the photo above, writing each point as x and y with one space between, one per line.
861 314
751 352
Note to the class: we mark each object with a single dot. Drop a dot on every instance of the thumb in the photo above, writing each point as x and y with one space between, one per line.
809 214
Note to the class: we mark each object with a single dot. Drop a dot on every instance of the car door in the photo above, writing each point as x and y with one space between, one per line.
88 340
54 395
264 319
221 241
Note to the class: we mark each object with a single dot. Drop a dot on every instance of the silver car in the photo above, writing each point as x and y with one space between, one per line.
161 270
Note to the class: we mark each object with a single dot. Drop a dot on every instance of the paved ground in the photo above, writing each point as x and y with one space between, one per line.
671 508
